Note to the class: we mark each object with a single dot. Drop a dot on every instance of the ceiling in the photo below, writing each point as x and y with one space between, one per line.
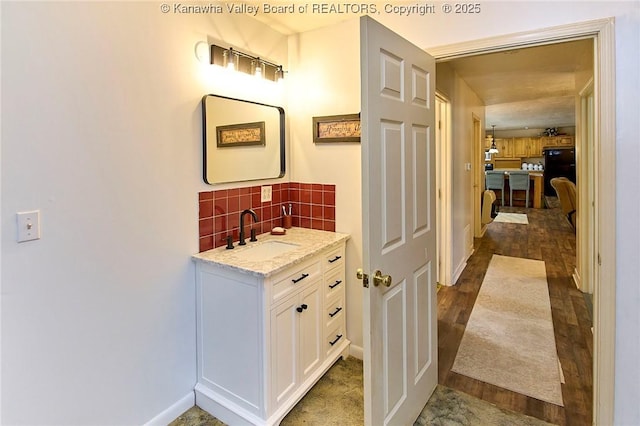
532 87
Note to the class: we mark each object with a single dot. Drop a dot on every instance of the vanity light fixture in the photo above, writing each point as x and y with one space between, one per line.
494 148
279 73
258 68
230 59
234 59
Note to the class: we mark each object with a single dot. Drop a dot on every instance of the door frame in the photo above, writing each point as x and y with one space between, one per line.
443 183
585 157
603 225
477 170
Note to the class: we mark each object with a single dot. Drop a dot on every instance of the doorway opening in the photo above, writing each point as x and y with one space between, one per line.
591 223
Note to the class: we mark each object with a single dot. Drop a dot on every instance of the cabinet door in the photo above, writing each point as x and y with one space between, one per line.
505 148
284 349
310 330
487 142
535 147
565 140
521 147
549 141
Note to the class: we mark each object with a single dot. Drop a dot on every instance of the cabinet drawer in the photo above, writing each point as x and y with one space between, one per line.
334 311
334 283
334 338
300 276
334 258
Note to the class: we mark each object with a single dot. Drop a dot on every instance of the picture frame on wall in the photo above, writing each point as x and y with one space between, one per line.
337 128
240 134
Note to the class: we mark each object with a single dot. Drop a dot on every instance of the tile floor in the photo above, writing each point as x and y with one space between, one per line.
337 400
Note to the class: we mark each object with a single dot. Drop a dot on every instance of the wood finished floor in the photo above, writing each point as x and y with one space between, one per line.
548 237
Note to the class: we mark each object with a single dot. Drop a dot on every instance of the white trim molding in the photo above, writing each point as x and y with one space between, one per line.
604 268
443 173
174 411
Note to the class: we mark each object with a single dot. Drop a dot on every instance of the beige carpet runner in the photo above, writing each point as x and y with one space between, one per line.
509 340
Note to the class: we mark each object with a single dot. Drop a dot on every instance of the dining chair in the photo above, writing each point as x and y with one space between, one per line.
566 191
495 180
519 181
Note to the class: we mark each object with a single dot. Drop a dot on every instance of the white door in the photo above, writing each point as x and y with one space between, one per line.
398 184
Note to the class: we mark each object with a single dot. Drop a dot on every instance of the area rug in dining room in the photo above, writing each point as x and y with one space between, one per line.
509 340
520 218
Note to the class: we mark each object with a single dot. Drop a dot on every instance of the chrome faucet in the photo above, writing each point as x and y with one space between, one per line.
253 233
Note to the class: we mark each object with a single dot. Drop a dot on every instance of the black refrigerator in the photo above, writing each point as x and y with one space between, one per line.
558 162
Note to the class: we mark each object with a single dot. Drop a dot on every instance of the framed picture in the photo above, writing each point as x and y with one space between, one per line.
336 128
240 134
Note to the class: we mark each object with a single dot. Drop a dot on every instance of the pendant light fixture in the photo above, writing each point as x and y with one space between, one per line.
494 148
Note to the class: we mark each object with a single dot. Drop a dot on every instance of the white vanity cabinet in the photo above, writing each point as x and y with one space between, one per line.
296 334
266 336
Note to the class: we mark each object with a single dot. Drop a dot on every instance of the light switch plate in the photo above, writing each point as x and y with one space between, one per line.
265 193
28 226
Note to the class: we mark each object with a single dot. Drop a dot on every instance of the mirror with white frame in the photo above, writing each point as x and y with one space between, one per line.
242 140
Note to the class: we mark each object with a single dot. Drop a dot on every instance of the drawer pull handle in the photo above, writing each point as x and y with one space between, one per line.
335 259
338 337
302 277
336 284
302 307
334 313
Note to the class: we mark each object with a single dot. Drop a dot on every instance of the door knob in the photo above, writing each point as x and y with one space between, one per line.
378 279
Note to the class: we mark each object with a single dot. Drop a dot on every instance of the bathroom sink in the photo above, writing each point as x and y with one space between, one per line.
267 250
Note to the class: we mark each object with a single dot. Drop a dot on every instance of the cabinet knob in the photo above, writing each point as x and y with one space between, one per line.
302 307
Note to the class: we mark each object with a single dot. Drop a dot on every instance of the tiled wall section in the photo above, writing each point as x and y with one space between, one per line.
313 205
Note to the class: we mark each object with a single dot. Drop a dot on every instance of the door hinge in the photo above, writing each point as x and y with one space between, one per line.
599 260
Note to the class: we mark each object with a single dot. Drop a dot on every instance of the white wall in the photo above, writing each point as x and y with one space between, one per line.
101 131
97 317
464 105
325 80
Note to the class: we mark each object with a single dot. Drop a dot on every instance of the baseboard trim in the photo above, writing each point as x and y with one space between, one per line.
356 351
232 414
223 409
577 280
174 411
458 271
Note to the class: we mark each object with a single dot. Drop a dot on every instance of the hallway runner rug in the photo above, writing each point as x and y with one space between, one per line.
509 340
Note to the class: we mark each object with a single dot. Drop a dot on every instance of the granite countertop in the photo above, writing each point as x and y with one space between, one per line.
309 241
